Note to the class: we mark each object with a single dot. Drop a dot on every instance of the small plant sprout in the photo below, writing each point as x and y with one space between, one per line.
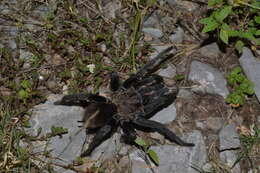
145 147
241 87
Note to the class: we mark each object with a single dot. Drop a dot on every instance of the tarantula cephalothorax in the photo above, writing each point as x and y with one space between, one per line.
130 105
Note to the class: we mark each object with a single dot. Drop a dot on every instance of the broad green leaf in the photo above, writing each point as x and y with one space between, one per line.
139 141
225 26
233 33
239 46
247 35
257 19
213 2
210 26
251 23
223 13
205 20
257 33
252 30
224 35
153 155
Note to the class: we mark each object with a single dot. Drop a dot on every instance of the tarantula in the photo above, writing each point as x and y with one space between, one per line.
130 105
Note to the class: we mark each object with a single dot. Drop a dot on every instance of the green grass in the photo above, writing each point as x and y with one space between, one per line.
12 157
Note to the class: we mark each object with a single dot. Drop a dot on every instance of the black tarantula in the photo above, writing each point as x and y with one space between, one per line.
130 105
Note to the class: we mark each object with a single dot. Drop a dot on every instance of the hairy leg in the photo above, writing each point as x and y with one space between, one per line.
160 128
157 99
129 135
114 81
149 81
149 68
81 99
101 135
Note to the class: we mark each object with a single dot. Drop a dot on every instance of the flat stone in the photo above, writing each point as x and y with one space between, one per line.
43 10
211 79
45 116
178 36
108 148
111 8
214 123
185 93
168 72
173 158
187 5
151 21
154 32
166 115
210 51
68 147
251 67
228 138
26 55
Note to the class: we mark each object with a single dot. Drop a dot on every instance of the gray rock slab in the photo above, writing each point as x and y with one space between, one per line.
228 138
168 72
25 55
173 158
187 5
151 21
108 148
178 36
251 67
154 32
46 115
68 147
166 115
111 8
210 51
211 79
185 93
44 10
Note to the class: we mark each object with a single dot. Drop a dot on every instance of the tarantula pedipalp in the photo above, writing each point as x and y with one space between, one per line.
130 105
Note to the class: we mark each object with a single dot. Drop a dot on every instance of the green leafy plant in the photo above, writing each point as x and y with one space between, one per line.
25 92
145 146
57 131
241 87
237 19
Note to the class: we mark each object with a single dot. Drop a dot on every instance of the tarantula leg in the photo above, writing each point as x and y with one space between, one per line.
114 82
146 91
81 99
158 100
102 134
149 68
160 128
149 81
129 135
